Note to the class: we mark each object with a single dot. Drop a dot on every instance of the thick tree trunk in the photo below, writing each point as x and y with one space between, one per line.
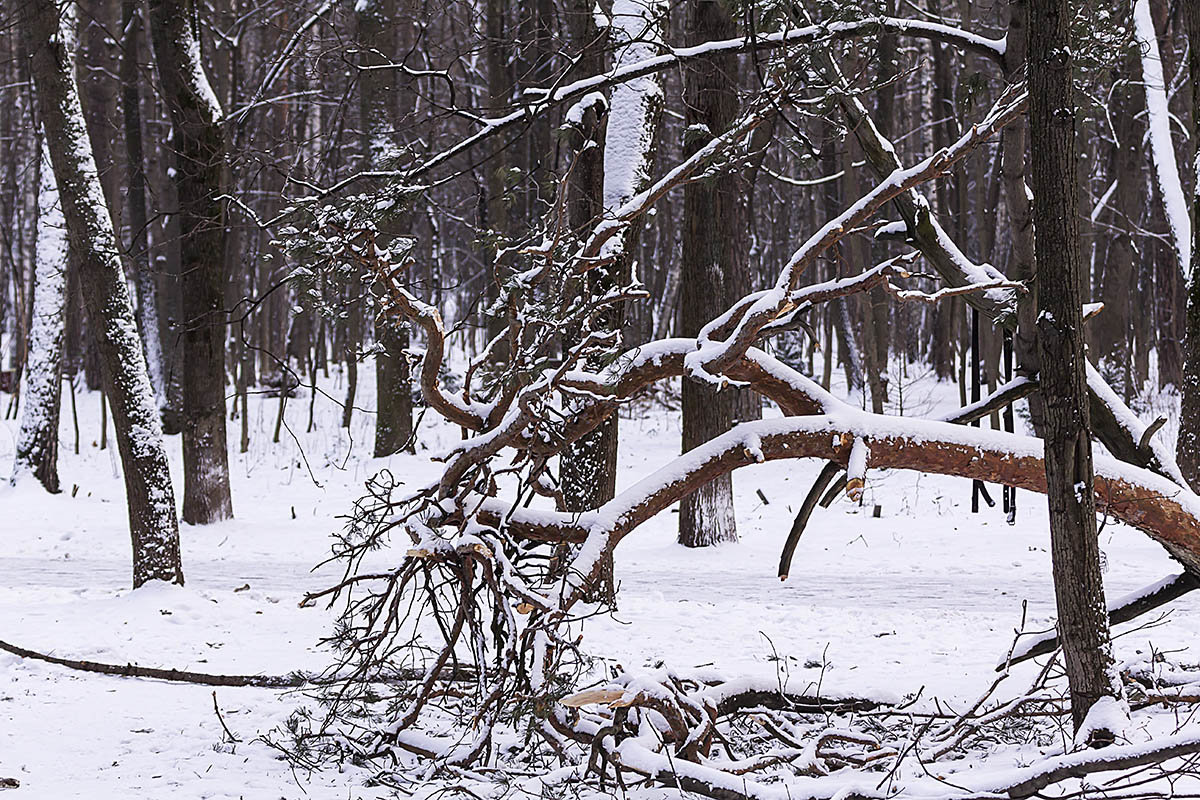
712 228
1188 448
588 466
379 32
1079 589
37 441
153 525
200 144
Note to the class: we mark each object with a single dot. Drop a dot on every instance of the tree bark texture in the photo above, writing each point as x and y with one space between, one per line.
135 191
37 441
380 96
153 525
1079 589
199 143
1188 448
712 227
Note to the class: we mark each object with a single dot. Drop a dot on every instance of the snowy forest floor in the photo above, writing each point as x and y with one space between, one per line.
924 595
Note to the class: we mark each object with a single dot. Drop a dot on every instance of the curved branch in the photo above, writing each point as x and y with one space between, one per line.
1165 511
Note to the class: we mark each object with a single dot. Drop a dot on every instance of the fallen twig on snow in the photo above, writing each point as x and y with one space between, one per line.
175 675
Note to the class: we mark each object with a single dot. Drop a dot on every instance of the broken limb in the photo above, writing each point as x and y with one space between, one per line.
830 485
1124 609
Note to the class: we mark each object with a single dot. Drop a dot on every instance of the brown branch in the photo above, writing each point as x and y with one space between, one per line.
1008 393
174 675
828 472
1138 497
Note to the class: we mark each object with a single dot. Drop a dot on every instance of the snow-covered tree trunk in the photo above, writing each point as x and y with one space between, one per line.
200 144
37 442
1162 149
610 168
1078 586
153 525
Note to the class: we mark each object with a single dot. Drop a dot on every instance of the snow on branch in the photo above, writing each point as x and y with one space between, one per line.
566 94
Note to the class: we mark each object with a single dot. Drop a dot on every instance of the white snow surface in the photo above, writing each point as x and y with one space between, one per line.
925 595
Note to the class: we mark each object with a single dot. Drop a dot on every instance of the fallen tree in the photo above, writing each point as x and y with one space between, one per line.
495 572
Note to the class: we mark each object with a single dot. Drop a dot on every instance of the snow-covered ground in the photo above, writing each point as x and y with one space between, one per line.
926 594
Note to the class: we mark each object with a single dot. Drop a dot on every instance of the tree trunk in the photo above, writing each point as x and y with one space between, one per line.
1083 624
711 238
200 144
37 442
135 191
1022 264
1188 448
153 525
379 25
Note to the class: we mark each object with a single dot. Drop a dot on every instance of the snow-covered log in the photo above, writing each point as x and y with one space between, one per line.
1167 512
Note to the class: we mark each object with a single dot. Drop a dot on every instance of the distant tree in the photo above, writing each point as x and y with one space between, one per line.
713 227
381 25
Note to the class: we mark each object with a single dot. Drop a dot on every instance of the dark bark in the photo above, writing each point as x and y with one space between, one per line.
712 229
1013 168
1079 589
1111 332
1188 448
588 470
199 143
153 526
381 29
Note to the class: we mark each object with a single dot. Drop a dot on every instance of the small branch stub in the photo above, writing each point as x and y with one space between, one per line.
856 469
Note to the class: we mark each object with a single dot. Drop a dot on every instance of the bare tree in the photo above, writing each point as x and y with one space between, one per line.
1188 447
712 235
